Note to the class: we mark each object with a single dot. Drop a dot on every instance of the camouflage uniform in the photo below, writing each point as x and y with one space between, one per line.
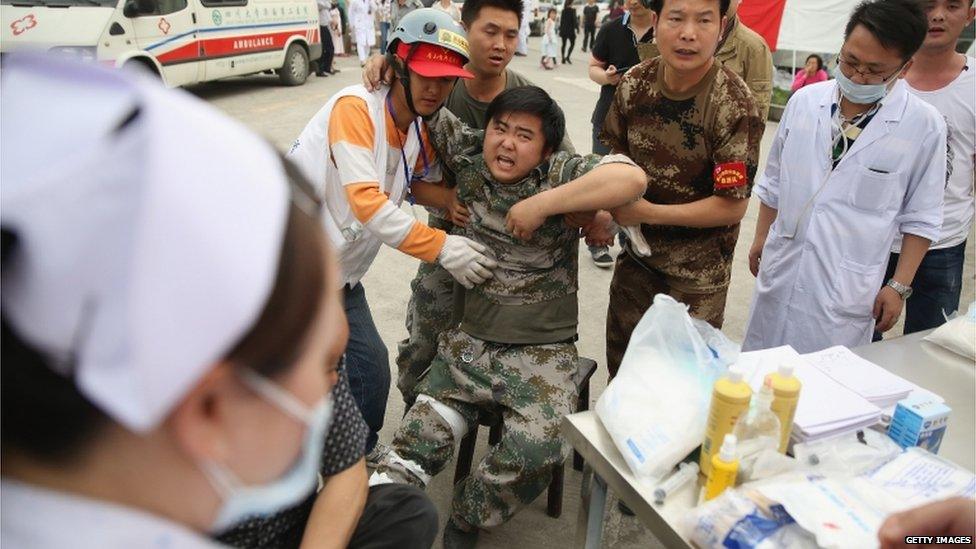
433 292
692 145
431 309
511 355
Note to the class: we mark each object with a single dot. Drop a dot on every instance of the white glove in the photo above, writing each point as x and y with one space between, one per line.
465 259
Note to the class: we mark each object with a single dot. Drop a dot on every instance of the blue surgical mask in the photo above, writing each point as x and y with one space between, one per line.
241 502
862 94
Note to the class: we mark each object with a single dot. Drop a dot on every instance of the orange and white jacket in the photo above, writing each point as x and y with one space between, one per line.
350 151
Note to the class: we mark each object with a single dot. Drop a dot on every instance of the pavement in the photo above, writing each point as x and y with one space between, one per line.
279 114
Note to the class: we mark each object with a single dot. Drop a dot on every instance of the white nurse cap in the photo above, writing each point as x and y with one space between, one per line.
148 230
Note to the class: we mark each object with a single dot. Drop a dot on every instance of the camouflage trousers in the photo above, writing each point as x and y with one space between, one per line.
632 291
530 386
429 312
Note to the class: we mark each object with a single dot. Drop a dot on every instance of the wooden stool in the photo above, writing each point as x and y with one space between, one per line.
554 507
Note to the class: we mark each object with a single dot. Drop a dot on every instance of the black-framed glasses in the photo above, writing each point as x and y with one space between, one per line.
869 76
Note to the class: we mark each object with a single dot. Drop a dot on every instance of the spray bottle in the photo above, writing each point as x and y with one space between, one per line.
725 467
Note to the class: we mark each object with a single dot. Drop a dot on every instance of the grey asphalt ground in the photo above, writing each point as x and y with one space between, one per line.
280 113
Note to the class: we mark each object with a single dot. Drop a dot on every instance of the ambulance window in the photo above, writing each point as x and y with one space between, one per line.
223 3
164 7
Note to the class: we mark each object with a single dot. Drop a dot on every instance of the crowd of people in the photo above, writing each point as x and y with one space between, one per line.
190 359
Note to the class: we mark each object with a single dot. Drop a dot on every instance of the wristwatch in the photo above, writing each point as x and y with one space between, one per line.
904 291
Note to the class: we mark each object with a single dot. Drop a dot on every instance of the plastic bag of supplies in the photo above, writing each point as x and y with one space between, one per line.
958 334
656 407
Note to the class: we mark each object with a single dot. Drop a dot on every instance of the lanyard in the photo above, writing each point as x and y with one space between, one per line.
410 178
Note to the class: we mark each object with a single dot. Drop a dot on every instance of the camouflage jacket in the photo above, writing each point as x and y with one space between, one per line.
542 268
693 145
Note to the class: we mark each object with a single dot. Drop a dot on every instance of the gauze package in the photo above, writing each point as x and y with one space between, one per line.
655 408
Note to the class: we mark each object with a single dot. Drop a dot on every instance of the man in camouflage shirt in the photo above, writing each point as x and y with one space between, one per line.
514 352
693 125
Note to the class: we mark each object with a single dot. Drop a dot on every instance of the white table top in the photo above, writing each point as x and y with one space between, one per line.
945 373
951 376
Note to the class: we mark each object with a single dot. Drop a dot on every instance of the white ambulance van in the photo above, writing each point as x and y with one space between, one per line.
182 41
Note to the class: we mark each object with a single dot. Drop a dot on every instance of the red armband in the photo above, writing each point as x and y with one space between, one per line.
730 175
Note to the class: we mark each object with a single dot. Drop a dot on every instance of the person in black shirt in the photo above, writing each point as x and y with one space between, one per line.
613 52
392 515
590 11
568 25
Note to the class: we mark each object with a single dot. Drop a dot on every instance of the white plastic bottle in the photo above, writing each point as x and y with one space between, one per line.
756 431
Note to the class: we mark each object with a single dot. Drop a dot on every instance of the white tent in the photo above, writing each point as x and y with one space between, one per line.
814 25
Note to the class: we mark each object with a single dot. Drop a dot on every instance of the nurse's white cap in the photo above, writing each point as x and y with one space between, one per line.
148 231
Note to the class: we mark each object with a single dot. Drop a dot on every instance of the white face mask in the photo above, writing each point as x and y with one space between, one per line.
241 501
863 94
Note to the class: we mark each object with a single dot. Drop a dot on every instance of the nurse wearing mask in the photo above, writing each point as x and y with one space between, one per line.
168 305
855 162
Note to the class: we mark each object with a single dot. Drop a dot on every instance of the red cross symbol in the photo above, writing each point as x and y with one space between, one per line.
24 24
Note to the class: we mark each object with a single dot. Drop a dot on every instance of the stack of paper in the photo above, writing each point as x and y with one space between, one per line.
879 386
826 408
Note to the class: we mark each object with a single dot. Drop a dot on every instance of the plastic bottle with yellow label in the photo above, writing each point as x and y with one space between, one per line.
786 395
724 469
730 399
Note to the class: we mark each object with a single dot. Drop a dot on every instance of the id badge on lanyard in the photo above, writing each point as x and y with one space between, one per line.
410 178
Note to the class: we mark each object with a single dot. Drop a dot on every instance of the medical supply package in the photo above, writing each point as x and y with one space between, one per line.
655 408
958 334
920 420
803 509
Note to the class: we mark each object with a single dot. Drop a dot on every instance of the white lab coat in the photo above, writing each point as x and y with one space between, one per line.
522 47
361 19
37 518
825 257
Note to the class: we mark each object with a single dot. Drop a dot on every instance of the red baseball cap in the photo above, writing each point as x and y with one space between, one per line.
434 61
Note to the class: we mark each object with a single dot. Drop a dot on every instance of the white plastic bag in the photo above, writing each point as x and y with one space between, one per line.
849 454
656 407
958 334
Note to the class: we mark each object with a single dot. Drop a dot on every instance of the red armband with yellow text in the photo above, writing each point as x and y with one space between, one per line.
730 175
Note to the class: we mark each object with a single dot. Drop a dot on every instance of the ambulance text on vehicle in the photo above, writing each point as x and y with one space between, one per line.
182 41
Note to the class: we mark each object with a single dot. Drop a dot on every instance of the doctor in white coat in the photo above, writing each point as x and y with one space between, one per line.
170 329
363 25
855 162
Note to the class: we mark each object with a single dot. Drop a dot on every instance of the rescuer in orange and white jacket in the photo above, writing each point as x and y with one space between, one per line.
366 152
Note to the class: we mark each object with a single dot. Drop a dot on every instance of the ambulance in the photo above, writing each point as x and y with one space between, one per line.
181 41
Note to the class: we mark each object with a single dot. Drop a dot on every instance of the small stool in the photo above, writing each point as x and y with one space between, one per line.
554 508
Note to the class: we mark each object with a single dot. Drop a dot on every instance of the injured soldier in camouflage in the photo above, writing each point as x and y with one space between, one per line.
513 353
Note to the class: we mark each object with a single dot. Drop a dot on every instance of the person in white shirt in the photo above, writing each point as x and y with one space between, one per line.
171 330
855 162
529 8
363 27
946 80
